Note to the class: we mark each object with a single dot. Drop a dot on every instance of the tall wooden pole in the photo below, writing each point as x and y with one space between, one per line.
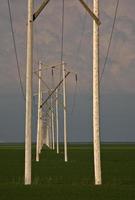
96 97
65 112
47 135
39 113
28 114
50 126
57 122
52 120
41 124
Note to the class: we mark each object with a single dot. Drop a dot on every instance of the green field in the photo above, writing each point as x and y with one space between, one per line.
55 180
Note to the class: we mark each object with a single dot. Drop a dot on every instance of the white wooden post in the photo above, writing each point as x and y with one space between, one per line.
52 120
57 121
28 115
65 112
96 102
38 143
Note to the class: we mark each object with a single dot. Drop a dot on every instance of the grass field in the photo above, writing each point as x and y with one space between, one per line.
55 180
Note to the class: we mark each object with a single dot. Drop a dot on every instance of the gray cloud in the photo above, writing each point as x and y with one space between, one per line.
119 74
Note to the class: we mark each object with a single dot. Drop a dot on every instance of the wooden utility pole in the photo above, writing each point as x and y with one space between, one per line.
29 72
96 94
50 126
41 125
48 142
28 114
65 112
38 142
57 121
47 135
52 122
96 97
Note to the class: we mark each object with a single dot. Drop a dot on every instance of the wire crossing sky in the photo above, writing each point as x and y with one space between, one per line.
110 40
15 49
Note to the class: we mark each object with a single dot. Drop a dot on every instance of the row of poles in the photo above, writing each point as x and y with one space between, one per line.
48 117
94 13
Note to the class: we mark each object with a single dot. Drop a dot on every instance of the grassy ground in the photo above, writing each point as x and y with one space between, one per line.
53 179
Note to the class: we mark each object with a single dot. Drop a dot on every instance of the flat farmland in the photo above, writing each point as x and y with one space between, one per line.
53 179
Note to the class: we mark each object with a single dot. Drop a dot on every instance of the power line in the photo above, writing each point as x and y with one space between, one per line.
74 96
15 49
54 89
110 40
62 35
84 20
36 38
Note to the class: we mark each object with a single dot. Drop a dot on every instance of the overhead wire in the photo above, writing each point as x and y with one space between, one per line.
84 20
50 94
110 40
82 34
34 106
62 29
15 50
36 37
62 37
74 96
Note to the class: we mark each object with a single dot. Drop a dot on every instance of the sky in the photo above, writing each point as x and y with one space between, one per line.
117 86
